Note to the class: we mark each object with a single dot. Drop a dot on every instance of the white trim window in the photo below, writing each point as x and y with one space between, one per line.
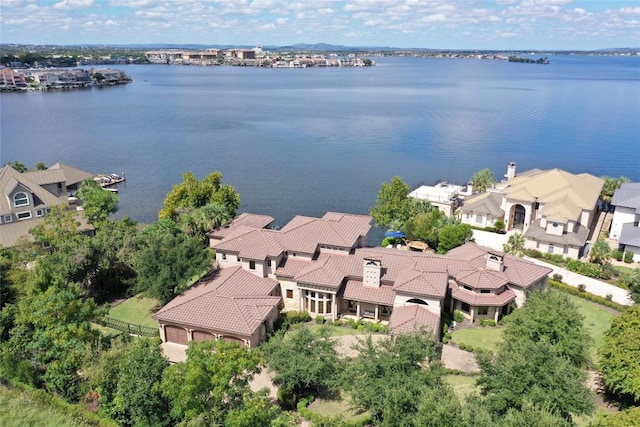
39 213
20 199
23 215
7 218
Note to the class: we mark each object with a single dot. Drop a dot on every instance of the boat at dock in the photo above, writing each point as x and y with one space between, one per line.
109 180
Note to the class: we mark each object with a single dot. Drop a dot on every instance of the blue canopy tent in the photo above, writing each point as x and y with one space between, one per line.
396 234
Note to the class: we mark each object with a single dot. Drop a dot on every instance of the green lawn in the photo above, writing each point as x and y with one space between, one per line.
479 337
136 310
340 406
463 385
596 319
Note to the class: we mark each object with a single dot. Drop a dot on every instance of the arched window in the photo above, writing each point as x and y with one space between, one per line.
20 199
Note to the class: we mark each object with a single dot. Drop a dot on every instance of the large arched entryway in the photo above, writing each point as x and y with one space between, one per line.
519 214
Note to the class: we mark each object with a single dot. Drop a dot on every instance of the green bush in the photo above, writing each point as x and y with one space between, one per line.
617 255
388 241
491 322
533 253
320 319
582 287
499 225
628 257
490 229
469 348
585 268
458 316
462 346
286 398
557 277
595 298
557 258
482 322
445 340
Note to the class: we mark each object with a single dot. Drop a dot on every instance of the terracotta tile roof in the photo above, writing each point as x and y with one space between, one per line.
245 220
478 299
326 271
232 300
517 271
355 290
290 266
482 279
413 317
422 283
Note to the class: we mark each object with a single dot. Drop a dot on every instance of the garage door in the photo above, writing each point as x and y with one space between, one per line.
202 336
176 335
234 339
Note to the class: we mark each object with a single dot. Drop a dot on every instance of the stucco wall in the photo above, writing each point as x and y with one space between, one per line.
621 216
290 304
433 304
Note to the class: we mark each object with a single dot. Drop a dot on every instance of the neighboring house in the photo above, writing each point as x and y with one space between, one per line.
444 196
322 266
244 219
624 226
554 209
29 197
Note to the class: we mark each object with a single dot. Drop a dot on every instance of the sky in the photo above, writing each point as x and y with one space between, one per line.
435 24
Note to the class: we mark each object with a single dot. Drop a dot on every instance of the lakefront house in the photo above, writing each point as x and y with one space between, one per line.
554 209
29 196
626 217
324 266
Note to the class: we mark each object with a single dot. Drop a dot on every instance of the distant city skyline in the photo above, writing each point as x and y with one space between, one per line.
435 24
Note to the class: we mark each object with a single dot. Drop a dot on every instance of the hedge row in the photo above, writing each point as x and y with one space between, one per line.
586 295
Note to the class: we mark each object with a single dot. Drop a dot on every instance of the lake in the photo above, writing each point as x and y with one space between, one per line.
306 141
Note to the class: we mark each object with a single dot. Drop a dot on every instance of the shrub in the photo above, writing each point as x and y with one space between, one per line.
499 225
462 346
533 253
557 258
483 322
388 241
458 316
617 255
582 287
445 340
585 268
305 316
491 322
469 348
320 319
490 229
445 328
286 398
557 277
628 257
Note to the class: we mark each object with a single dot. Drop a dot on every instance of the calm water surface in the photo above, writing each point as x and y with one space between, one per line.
305 141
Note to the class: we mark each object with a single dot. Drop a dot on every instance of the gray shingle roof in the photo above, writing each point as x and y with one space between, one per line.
538 233
630 235
485 204
628 196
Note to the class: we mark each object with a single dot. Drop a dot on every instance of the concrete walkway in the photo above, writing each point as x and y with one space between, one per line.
594 286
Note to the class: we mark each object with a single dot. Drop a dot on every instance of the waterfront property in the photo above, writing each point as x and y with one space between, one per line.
323 266
29 197
554 209
444 196
624 226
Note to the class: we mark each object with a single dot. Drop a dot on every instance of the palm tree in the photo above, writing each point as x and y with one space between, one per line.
515 244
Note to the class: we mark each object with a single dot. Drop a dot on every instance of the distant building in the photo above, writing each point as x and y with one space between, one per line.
444 196
626 217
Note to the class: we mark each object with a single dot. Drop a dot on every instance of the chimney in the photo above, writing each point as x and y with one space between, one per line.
371 273
469 190
495 262
511 171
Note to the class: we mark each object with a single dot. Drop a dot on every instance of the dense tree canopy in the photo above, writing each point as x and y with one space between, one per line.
620 354
610 186
392 203
453 235
192 194
540 360
425 227
303 361
97 203
482 180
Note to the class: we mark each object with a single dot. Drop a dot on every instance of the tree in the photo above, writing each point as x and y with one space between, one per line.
392 203
515 244
540 359
620 355
631 280
20 167
168 265
482 180
627 418
389 376
41 166
213 381
97 203
600 252
532 416
198 221
610 186
256 410
303 361
192 194
425 227
453 235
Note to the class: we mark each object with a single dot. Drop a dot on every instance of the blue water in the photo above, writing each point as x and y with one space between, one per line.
305 141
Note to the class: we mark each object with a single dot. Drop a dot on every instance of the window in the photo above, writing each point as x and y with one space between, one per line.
39 213
469 288
554 225
47 210
224 257
7 218
485 291
20 199
351 306
483 310
465 307
23 215
290 293
468 215
252 265
386 310
478 219
550 249
268 263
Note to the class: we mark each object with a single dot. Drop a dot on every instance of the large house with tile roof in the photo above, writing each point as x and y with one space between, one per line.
28 197
626 217
554 209
323 266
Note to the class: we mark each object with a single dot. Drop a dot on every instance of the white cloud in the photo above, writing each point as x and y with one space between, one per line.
73 4
579 11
